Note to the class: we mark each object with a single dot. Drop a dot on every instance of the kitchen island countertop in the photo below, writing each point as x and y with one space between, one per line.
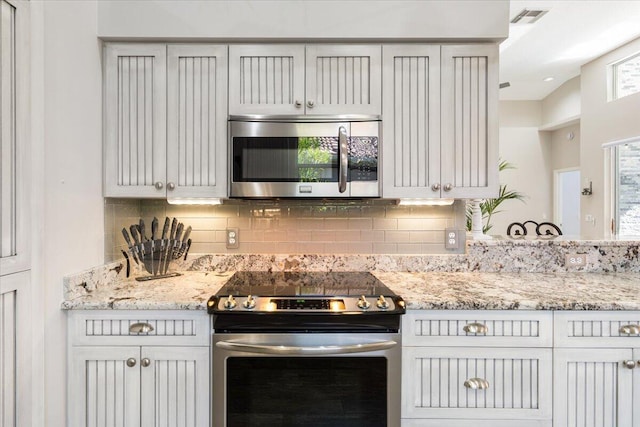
420 290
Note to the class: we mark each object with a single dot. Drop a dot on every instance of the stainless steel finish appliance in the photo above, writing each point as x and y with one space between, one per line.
304 157
306 349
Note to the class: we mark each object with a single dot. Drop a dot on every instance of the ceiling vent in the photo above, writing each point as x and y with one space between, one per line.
528 16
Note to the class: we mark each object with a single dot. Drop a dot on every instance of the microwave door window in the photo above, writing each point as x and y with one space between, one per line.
280 159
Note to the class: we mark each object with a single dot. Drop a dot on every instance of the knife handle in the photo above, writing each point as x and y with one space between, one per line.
187 251
179 231
127 238
142 231
134 233
165 228
154 228
174 224
187 233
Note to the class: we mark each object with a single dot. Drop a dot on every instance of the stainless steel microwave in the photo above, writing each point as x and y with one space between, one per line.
330 157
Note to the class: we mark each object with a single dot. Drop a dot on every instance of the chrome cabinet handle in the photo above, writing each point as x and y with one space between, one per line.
159 185
297 103
448 187
171 186
131 362
476 384
319 350
475 328
629 364
311 103
435 187
343 154
145 362
140 328
629 329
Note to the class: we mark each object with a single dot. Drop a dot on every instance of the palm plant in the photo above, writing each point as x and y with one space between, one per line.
489 207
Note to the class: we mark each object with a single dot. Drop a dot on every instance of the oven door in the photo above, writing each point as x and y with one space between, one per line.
304 159
319 379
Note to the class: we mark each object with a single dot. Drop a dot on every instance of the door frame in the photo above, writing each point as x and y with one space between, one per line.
557 201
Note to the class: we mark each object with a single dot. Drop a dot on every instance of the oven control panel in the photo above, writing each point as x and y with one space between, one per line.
250 303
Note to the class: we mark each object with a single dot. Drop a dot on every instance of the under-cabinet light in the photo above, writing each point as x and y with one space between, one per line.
425 202
201 201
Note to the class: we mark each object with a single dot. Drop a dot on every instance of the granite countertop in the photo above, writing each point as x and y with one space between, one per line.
189 291
106 288
511 291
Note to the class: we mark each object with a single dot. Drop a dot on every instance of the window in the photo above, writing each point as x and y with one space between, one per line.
626 77
625 162
8 157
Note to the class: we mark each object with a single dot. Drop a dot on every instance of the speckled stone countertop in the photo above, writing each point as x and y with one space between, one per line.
516 291
107 288
189 291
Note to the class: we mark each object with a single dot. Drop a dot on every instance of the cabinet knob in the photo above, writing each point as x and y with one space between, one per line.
140 328
435 187
629 329
475 328
171 186
159 185
448 187
131 362
311 103
476 384
145 362
629 364
297 103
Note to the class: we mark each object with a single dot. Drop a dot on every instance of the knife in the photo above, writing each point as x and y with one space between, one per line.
174 224
127 239
165 228
177 242
143 237
154 228
187 251
186 235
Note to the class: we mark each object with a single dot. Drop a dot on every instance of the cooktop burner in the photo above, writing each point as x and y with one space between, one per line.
262 283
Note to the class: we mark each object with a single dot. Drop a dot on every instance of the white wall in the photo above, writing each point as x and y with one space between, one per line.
308 19
601 122
563 103
530 152
73 205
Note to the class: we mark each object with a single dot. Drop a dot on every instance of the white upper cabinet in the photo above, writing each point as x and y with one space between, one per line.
411 117
294 79
469 121
165 120
196 121
440 121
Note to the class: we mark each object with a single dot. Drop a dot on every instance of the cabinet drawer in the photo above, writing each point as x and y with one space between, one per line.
477 328
438 383
597 329
139 327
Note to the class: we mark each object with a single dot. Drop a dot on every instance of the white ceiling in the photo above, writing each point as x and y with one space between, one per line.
569 35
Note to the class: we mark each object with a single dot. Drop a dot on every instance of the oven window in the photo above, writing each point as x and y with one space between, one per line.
307 391
280 159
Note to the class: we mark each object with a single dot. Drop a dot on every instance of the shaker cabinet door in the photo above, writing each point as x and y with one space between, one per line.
411 139
196 121
175 386
104 387
469 121
266 79
135 126
343 79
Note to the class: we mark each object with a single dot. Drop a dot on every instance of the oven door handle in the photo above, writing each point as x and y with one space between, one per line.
313 350
343 158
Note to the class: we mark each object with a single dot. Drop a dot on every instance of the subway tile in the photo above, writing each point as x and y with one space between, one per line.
207 247
385 248
323 236
336 224
397 236
264 223
238 223
204 223
436 248
348 236
373 211
311 248
275 235
299 235
360 223
372 236
251 236
360 247
220 236
409 248
426 236
227 211
337 248
286 248
385 224
324 211
309 223
421 224
203 236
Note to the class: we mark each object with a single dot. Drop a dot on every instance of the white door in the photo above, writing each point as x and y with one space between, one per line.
567 201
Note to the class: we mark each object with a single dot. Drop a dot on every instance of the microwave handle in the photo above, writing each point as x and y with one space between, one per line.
343 157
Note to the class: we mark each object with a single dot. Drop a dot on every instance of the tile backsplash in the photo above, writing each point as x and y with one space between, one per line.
296 226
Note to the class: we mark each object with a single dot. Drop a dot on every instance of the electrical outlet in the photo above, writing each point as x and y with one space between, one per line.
452 238
575 260
233 240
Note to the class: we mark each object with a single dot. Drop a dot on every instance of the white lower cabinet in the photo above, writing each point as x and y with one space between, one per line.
459 370
596 369
139 377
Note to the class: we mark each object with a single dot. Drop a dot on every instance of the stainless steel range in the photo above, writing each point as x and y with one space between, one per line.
306 349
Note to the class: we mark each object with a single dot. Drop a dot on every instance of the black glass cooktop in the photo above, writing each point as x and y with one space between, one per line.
262 283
